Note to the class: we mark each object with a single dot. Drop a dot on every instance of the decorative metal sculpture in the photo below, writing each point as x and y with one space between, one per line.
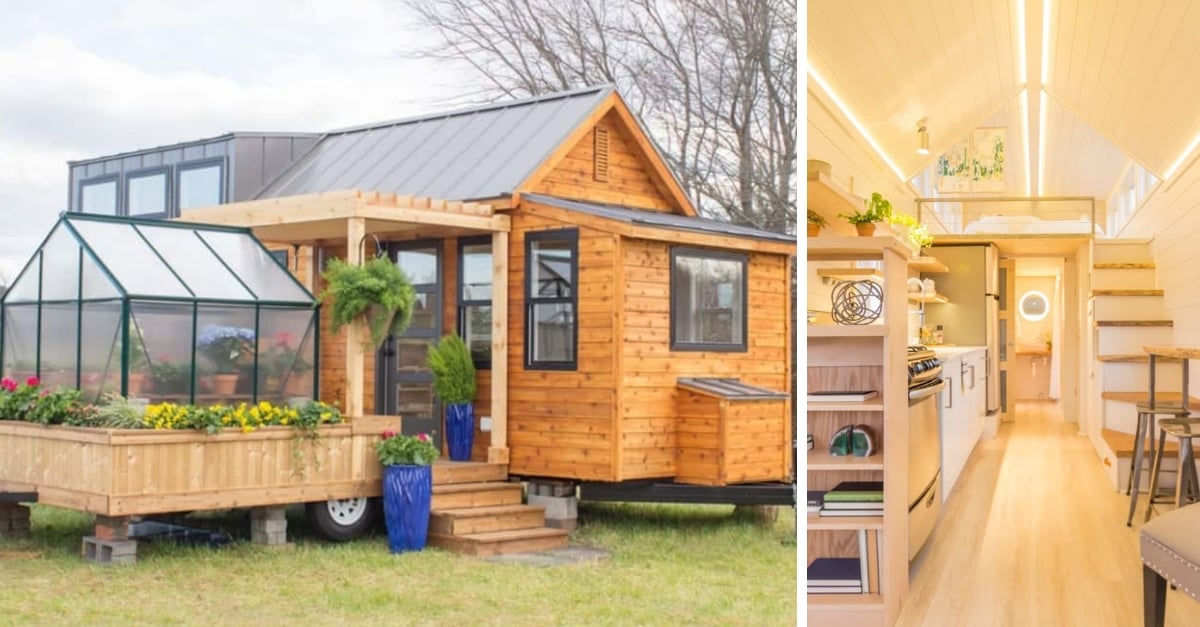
857 302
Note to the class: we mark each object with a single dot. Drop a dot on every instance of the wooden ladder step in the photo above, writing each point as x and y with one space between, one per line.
1134 359
1135 323
1121 444
1127 292
462 495
501 542
1125 265
471 520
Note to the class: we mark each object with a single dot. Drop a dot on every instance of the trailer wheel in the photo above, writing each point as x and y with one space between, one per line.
341 520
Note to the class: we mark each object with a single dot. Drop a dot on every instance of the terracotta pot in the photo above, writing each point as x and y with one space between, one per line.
866 229
225 384
814 230
137 384
298 385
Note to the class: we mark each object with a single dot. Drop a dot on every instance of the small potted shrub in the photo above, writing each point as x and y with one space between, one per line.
454 383
407 488
878 209
815 222
376 291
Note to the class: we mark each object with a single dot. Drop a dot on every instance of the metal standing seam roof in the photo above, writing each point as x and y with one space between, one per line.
480 152
658 219
728 388
153 259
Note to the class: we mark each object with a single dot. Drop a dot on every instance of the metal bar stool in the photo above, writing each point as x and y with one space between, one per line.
1187 484
1146 422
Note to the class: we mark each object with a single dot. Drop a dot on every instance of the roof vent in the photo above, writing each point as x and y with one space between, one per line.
600 155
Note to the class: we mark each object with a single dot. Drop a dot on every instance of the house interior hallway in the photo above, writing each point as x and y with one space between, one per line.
1034 535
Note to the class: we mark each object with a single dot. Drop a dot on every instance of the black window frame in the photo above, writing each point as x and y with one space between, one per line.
708 253
281 256
143 173
571 236
114 178
198 164
462 303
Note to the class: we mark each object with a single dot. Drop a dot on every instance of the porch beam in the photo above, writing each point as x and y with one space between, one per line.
356 228
434 217
498 451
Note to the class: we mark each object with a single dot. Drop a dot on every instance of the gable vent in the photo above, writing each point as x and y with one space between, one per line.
600 155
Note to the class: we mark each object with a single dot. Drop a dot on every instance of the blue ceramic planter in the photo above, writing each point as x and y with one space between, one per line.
407 491
460 430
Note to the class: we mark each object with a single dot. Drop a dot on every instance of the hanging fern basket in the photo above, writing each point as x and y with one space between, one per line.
376 292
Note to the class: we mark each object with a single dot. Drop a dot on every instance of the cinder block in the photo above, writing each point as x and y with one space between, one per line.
102 551
268 513
566 524
112 528
557 507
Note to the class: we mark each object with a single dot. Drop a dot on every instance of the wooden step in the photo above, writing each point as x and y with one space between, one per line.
1124 265
1135 323
501 542
1127 292
446 472
1121 444
1143 397
1134 359
462 495
484 519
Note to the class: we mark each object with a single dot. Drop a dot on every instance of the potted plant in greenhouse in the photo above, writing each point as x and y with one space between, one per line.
169 378
228 348
454 383
137 363
407 488
284 367
377 291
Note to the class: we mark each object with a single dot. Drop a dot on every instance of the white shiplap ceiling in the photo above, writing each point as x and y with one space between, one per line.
1120 83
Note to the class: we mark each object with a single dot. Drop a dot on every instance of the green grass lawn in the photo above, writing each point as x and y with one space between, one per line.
670 564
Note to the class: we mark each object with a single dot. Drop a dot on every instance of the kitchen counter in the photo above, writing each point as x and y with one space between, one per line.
950 351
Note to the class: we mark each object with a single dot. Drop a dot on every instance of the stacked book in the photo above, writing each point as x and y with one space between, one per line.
836 575
854 498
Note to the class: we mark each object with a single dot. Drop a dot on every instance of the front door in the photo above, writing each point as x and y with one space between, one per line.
406 384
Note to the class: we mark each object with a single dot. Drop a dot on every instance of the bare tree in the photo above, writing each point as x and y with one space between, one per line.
713 80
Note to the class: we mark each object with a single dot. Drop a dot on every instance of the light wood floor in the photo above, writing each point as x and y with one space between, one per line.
1034 535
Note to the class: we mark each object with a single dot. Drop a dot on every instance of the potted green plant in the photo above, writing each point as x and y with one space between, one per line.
407 488
877 209
815 222
169 378
229 349
284 367
377 291
454 383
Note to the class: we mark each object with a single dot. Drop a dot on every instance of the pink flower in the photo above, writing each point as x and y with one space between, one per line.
44 394
389 434
8 384
32 382
422 437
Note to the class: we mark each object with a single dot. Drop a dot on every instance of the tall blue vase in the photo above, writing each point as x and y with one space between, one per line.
460 430
407 491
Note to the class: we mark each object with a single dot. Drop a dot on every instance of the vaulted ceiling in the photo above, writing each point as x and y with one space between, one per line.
1118 84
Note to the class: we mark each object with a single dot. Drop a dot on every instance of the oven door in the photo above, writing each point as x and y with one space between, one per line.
924 440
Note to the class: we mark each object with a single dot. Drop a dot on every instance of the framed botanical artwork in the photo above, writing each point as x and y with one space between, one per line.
987 159
953 169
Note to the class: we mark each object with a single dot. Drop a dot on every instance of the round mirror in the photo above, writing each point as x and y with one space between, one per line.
1034 306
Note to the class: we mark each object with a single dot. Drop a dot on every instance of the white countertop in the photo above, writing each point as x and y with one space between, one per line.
946 351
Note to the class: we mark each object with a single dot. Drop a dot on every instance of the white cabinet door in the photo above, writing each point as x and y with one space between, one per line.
951 414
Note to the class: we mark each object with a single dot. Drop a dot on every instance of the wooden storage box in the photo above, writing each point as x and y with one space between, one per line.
729 432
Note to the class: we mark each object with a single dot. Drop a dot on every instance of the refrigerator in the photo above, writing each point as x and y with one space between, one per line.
972 315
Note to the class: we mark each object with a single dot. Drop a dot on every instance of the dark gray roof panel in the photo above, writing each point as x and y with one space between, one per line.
472 153
728 388
658 219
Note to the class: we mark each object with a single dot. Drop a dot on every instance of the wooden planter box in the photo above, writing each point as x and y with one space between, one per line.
118 472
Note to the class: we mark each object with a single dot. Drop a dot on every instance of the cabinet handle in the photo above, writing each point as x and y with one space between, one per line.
972 377
950 394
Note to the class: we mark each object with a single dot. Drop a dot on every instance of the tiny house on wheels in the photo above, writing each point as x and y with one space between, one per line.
621 341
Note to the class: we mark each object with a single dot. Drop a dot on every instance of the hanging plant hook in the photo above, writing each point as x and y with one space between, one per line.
379 253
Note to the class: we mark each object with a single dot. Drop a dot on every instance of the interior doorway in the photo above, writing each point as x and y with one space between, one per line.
1039 293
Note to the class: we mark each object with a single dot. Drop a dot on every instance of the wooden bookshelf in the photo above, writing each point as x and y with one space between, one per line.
817 521
923 297
928 265
871 404
847 330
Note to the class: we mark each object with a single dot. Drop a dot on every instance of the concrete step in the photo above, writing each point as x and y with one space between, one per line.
474 520
1119 340
1124 278
463 495
1121 251
501 542
1128 308
447 472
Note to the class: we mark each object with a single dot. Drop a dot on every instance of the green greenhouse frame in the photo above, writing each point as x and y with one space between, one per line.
183 305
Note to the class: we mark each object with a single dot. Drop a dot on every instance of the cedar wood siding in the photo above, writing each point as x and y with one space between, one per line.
560 422
649 400
483 377
629 180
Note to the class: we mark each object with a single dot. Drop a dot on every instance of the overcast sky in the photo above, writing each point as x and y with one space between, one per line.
82 78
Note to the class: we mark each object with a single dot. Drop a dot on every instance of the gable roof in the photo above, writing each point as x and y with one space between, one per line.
480 152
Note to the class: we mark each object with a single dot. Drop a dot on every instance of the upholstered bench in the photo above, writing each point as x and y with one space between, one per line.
1170 546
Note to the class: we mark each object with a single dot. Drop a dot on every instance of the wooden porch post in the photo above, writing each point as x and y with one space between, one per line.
498 452
356 228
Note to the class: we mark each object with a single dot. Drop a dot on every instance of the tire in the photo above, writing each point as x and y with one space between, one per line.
342 520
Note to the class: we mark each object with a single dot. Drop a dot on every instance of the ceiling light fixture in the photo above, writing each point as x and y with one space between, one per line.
1183 157
922 138
853 120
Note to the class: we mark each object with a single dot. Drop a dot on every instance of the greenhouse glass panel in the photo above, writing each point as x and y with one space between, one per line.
59 350
60 266
96 284
225 347
100 349
285 358
20 342
25 289
132 263
160 340
255 267
203 273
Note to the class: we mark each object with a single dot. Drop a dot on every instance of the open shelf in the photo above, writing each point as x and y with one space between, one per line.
928 265
853 247
817 522
824 461
828 199
847 330
922 297
849 274
848 602
871 404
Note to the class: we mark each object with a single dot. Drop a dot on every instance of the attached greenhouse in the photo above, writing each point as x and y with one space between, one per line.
166 311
